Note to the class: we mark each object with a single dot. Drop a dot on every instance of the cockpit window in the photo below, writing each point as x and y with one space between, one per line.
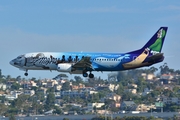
19 57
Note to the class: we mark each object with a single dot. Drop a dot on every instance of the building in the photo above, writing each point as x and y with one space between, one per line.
148 76
113 87
51 83
167 76
145 108
3 86
77 93
92 105
29 92
128 105
13 95
170 100
58 87
146 91
133 91
114 97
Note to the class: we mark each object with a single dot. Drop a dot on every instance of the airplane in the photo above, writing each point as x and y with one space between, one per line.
86 62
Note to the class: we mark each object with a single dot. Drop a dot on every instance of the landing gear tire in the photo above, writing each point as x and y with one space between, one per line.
85 74
26 74
91 75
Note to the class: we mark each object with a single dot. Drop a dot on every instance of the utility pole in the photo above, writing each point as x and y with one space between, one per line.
151 109
105 113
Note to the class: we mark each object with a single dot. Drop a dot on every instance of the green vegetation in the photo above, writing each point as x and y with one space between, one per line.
45 100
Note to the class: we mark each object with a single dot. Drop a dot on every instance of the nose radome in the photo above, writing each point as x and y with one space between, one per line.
11 62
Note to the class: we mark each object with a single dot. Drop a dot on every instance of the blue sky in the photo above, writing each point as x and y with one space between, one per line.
90 26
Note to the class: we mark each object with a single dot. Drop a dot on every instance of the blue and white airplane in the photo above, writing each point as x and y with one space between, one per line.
83 62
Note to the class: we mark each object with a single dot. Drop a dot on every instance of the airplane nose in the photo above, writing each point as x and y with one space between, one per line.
11 62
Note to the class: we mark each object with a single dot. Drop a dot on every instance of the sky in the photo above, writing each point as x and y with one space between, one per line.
85 25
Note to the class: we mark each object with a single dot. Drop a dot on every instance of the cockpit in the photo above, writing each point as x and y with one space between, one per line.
18 62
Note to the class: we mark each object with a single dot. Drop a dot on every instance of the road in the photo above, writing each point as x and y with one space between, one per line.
89 117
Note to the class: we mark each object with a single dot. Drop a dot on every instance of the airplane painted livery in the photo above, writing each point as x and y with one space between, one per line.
84 62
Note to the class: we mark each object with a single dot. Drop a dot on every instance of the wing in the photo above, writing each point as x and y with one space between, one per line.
84 63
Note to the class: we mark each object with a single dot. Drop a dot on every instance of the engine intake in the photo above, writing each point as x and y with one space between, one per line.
64 67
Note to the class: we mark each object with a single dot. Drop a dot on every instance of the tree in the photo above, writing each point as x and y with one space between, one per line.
57 110
78 79
66 86
164 69
65 118
3 109
121 76
12 117
15 86
153 69
50 101
8 77
120 89
18 78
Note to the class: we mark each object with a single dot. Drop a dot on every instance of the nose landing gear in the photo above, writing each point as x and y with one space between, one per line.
26 73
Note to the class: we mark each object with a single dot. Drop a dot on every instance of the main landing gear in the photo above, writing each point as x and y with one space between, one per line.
85 74
26 73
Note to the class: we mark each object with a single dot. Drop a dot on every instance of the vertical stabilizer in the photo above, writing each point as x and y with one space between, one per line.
155 44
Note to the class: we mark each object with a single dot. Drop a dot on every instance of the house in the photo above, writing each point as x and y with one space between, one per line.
133 91
169 100
128 105
29 92
76 87
167 76
146 91
92 105
76 93
13 95
33 84
114 97
116 104
3 86
42 90
145 108
58 87
133 85
148 76
113 87
51 83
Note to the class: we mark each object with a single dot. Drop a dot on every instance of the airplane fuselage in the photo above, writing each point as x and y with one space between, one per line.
99 61
83 62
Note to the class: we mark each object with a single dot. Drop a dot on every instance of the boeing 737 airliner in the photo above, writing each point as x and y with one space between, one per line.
82 62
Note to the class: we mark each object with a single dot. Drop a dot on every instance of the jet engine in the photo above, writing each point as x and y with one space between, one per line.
64 67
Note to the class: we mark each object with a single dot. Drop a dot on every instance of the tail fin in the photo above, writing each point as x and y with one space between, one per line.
155 44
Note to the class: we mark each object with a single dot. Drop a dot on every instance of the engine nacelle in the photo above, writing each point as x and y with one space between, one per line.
64 67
